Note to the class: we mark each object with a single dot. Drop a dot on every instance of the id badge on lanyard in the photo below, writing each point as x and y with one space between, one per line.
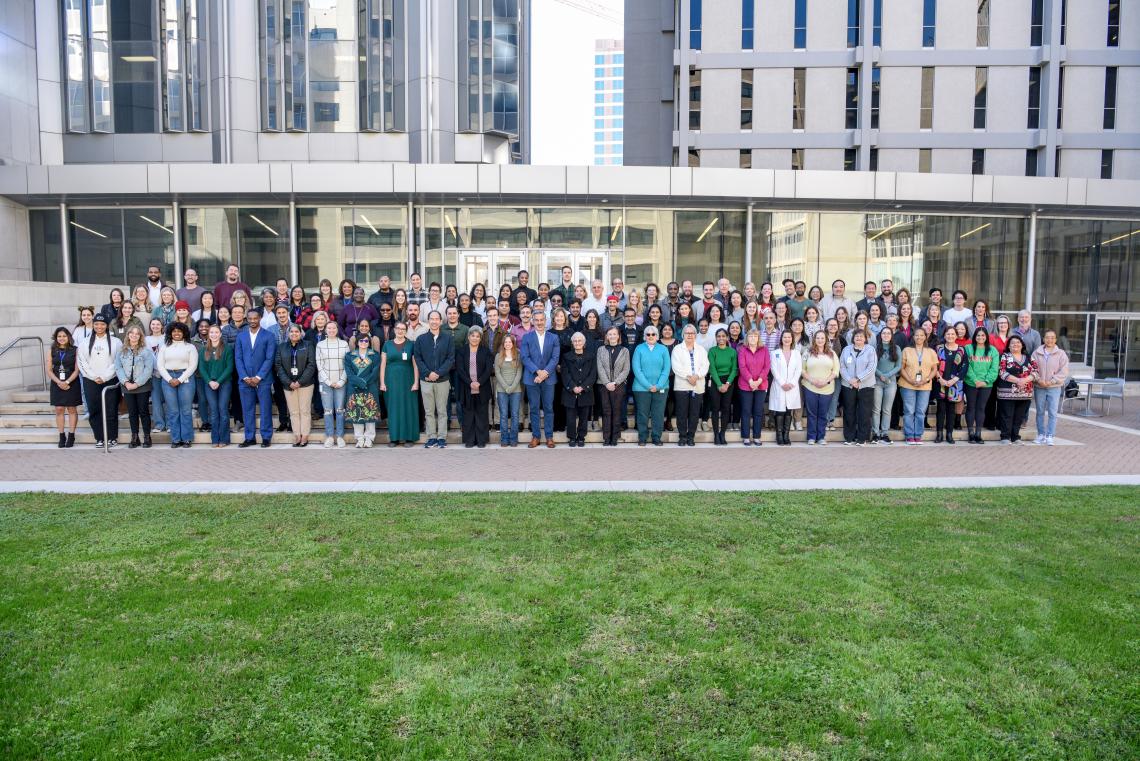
294 369
62 369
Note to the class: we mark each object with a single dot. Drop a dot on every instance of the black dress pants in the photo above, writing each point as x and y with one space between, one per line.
578 422
858 404
94 393
476 429
138 409
1010 414
721 407
688 407
613 411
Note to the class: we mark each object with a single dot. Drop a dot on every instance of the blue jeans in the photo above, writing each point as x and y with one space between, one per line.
218 404
158 403
752 413
884 401
833 403
332 399
914 411
1046 400
817 406
509 417
202 400
179 403
650 411
540 397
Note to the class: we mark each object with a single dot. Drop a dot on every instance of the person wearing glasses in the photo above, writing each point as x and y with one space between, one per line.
613 363
362 368
296 369
651 364
579 373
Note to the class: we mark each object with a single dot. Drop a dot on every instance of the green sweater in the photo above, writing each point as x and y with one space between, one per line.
981 367
722 365
219 369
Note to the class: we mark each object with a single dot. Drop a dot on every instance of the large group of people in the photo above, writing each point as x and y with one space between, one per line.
571 358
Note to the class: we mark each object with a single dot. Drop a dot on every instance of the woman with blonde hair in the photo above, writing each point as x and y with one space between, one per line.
134 367
165 309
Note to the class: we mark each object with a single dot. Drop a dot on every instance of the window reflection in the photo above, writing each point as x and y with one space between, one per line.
357 243
257 239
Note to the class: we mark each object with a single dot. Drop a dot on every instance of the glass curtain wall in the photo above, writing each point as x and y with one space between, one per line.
128 62
118 245
256 239
332 65
488 45
358 243
47 247
1087 265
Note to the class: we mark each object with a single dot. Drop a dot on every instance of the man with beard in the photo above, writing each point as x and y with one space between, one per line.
225 290
154 286
798 303
191 293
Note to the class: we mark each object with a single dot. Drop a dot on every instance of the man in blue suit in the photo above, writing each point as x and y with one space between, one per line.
539 353
254 352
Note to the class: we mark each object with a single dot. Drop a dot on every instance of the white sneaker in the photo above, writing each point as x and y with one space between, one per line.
1048 441
330 442
360 443
1039 440
340 442
367 442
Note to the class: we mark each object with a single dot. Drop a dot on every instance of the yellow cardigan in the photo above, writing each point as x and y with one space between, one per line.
911 363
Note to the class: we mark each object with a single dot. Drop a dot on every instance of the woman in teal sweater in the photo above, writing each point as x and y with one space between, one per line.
982 362
362 408
886 385
722 376
651 363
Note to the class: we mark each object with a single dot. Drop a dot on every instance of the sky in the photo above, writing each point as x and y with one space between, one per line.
562 85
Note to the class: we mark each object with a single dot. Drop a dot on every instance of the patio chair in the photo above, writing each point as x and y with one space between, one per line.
1107 393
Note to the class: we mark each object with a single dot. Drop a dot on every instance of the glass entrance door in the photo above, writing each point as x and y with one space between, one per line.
491 268
587 266
1116 346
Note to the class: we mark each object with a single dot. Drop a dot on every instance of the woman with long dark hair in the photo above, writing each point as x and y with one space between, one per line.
886 385
65 396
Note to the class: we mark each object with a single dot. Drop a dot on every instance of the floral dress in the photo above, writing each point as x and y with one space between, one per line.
951 365
363 373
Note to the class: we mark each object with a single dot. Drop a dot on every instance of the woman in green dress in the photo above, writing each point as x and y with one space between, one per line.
362 368
400 382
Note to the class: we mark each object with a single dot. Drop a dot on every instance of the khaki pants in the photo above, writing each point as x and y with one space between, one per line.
300 401
435 407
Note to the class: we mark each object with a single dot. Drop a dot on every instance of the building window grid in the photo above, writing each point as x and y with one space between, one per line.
747 24
1106 164
1036 22
1064 19
694 99
850 159
983 37
695 14
925 159
1060 95
745 158
1109 122
797 159
876 74
1033 120
746 76
877 23
799 32
1031 162
926 99
851 120
929 22
978 161
799 84
873 161
981 79
853 23
1113 38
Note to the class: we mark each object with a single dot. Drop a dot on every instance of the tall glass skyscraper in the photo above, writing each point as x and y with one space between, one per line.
609 105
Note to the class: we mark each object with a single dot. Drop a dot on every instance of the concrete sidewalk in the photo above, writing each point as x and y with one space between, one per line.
1085 453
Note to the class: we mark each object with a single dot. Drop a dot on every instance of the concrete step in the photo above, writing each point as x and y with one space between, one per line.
30 396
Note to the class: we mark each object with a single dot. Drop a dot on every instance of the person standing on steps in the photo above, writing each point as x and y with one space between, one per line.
96 360
65 396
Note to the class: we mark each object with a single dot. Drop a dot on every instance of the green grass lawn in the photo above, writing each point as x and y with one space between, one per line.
1001 624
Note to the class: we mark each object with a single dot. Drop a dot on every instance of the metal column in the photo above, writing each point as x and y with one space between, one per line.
179 257
1029 269
411 241
294 261
65 244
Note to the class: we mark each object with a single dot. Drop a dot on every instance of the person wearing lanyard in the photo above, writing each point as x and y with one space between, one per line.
296 368
400 384
857 366
65 395
690 366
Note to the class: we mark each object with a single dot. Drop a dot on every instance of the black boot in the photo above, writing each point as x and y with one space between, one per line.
146 439
70 440
135 443
949 435
62 440
786 425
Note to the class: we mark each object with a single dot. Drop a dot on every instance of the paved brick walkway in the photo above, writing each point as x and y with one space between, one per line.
1082 450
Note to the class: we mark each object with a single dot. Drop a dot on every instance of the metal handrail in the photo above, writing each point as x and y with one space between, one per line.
103 406
43 356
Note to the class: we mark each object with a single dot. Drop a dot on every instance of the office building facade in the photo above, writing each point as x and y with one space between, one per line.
290 184
1031 87
609 106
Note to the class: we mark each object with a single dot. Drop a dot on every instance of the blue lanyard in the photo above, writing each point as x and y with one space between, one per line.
294 351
